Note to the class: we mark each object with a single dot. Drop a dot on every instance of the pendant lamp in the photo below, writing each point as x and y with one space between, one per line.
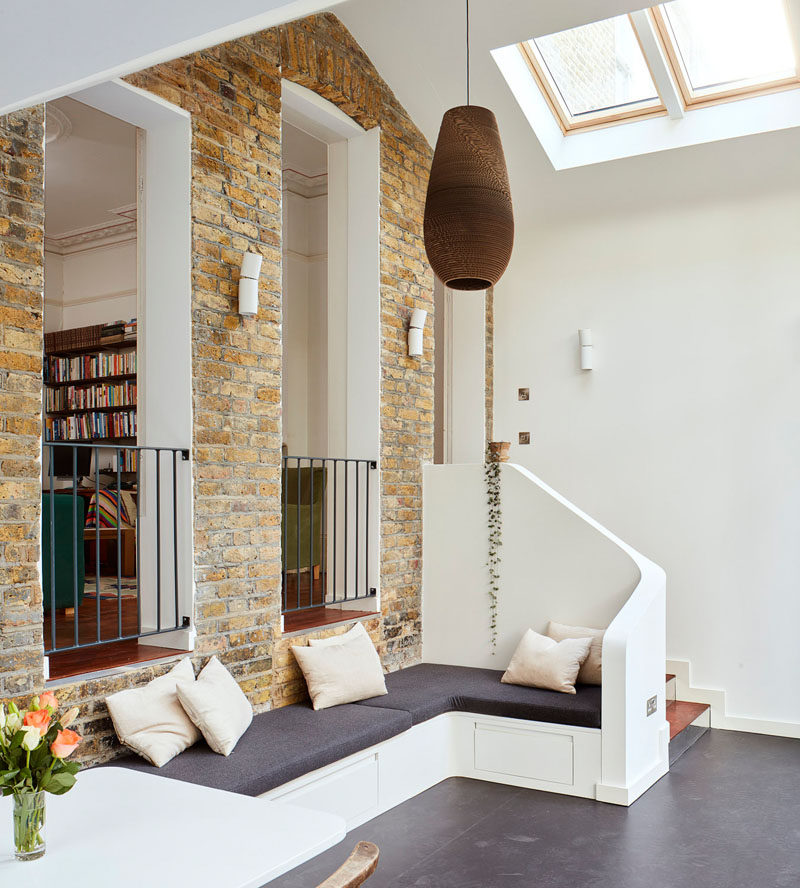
469 220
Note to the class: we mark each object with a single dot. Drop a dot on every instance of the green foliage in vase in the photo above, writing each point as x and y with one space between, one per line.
34 746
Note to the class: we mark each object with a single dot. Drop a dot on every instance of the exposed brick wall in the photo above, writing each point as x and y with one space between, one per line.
233 94
21 305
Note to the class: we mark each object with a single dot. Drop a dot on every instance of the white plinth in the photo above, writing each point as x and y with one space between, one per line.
126 829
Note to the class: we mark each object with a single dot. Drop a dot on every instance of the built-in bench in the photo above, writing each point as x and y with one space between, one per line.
429 689
332 759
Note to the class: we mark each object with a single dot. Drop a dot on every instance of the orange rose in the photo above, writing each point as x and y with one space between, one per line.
39 718
65 743
48 700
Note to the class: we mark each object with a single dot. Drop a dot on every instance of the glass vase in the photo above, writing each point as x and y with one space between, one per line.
29 813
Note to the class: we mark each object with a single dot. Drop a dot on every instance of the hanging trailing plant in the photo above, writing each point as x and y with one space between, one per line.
495 538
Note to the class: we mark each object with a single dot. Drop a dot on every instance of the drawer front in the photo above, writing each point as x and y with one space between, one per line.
536 755
348 792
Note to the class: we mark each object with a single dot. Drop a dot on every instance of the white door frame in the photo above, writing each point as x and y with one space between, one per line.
164 377
353 317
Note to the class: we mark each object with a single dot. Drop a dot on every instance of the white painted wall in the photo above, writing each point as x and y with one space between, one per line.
94 286
305 325
466 376
555 566
53 292
684 438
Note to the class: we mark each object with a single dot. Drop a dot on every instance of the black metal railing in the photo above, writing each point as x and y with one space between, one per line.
326 533
82 514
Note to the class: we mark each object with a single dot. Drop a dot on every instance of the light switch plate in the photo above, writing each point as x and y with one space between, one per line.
523 394
524 437
652 705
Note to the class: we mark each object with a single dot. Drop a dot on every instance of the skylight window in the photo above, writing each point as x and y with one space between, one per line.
667 60
593 74
721 46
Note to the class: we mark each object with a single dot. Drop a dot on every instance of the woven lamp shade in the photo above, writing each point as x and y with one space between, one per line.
469 220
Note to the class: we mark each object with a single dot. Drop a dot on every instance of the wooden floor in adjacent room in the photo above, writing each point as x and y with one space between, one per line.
104 656
305 607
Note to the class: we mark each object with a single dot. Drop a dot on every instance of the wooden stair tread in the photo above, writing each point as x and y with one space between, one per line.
670 676
680 714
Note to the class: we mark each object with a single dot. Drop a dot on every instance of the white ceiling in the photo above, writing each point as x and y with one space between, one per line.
49 48
89 172
303 153
418 46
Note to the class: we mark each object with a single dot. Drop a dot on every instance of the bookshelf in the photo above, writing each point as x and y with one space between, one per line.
90 387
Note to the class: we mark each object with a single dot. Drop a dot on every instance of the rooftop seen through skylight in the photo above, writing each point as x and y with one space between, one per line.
597 67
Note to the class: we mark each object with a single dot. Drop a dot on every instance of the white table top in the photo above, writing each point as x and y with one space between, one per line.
127 829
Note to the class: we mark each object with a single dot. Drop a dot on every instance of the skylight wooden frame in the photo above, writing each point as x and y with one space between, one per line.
692 98
592 120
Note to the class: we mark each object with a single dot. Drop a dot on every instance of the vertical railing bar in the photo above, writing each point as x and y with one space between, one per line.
52 551
311 533
97 541
366 532
297 563
285 499
75 542
335 522
357 536
119 543
139 455
158 537
346 525
175 532
323 555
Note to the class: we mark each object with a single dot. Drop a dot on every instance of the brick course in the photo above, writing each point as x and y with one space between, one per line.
233 94
21 306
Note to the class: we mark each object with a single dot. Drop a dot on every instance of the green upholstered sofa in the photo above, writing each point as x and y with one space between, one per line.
68 538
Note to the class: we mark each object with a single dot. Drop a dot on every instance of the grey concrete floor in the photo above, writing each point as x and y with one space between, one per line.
726 816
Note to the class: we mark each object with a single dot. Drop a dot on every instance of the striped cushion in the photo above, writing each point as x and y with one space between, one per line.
105 503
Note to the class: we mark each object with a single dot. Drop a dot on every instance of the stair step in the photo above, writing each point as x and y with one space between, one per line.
680 714
670 676
685 740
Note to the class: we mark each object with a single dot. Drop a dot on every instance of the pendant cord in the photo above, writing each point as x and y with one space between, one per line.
467 5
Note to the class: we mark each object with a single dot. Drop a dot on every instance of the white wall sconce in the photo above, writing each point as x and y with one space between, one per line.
248 284
416 327
586 346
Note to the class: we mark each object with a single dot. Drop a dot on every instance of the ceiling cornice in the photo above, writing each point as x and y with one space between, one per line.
78 240
304 184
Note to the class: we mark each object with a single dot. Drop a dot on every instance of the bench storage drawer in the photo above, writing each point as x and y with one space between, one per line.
350 791
527 753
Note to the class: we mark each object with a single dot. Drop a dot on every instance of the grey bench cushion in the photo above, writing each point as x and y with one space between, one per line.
281 745
430 689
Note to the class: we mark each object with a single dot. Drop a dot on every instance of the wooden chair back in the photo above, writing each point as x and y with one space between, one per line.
358 867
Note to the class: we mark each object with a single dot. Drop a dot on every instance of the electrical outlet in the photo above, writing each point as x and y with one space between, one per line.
652 704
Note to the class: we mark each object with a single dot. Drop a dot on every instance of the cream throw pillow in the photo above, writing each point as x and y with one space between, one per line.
218 706
540 662
151 720
357 631
591 673
341 673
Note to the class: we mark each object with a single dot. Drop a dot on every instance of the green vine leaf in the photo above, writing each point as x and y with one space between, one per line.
492 476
